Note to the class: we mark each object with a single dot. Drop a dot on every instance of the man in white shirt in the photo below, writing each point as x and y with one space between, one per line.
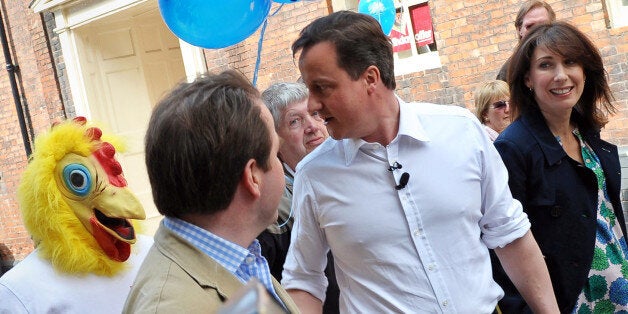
410 196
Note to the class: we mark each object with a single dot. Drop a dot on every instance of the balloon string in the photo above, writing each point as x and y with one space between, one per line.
259 46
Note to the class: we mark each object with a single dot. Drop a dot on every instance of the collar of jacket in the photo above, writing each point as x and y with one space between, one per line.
202 268
552 150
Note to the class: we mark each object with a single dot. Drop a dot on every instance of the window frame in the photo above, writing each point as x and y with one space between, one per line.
414 63
617 13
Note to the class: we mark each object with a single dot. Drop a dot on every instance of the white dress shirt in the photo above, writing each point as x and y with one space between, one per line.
419 249
34 286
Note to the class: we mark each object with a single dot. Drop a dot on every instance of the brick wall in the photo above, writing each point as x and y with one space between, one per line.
474 38
38 86
276 57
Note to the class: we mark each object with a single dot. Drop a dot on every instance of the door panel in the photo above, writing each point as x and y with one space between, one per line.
128 61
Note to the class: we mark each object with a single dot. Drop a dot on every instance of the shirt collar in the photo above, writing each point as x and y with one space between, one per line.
228 254
409 125
287 170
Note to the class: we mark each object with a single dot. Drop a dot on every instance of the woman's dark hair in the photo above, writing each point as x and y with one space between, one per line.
567 41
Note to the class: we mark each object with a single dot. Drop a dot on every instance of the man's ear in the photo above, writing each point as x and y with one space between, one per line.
251 177
372 77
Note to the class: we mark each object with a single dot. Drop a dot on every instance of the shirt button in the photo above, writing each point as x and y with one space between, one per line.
445 303
417 232
431 267
249 260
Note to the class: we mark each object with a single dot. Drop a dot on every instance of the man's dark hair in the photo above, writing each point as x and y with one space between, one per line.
359 42
567 41
199 139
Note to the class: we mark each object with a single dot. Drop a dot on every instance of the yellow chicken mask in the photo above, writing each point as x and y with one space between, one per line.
75 202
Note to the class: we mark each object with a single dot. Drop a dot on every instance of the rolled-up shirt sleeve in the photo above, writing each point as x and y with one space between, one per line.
503 219
307 256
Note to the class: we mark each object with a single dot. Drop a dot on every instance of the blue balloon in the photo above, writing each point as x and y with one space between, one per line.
382 10
292 1
214 24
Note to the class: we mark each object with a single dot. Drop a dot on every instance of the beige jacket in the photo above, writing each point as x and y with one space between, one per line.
178 278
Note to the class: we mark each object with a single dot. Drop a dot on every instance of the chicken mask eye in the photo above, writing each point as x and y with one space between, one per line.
77 179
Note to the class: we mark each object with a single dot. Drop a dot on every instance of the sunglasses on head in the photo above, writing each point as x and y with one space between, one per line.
500 104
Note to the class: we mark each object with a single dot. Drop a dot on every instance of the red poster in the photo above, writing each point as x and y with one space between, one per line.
422 24
399 36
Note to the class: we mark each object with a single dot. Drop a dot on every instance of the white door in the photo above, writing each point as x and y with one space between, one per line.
128 61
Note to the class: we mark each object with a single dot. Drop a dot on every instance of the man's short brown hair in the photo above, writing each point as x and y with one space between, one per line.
199 139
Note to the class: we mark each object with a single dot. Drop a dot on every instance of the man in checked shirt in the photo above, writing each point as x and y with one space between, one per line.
211 154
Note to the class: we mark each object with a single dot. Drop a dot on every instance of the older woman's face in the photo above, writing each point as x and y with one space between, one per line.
557 82
497 116
300 133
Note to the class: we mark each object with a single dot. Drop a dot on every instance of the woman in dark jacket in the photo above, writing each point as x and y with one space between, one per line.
566 177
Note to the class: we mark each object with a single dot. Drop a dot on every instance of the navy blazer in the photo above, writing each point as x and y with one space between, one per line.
560 197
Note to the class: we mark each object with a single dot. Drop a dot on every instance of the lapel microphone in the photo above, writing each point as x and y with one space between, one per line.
395 166
403 181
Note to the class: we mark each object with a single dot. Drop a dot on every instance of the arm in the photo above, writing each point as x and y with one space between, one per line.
303 274
523 262
307 303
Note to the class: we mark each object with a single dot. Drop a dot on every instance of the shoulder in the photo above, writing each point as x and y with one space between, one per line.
329 150
163 286
437 123
21 274
430 109
17 285
518 143
433 118
440 118
516 133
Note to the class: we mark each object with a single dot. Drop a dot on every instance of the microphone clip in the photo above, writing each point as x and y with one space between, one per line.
395 166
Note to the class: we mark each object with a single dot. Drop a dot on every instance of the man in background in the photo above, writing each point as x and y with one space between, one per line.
299 133
530 13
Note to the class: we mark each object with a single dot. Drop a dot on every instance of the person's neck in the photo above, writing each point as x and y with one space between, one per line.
387 120
289 160
559 124
222 224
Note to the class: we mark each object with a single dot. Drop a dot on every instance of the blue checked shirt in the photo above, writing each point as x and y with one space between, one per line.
243 263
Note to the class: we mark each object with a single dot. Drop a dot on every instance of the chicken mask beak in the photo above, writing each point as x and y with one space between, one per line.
102 208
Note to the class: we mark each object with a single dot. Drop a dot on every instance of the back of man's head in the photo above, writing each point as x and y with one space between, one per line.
359 41
199 139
